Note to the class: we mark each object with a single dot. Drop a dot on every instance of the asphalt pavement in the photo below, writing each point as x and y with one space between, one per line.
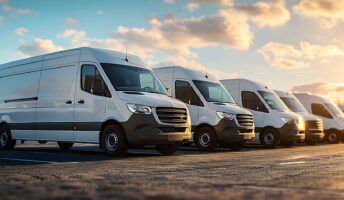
42 171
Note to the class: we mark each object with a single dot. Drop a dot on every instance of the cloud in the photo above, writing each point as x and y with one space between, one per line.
21 31
2 20
333 91
271 14
6 8
22 11
3 1
283 56
71 22
100 12
327 12
191 7
39 46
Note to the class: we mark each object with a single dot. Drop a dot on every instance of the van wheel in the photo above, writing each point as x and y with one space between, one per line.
332 138
236 146
114 141
42 142
166 149
65 145
205 139
269 138
6 141
288 143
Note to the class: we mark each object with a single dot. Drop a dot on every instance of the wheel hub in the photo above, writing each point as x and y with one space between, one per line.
332 137
4 138
205 139
269 138
112 141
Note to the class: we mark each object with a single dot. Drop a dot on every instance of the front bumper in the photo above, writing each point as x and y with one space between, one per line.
289 133
315 135
229 132
145 130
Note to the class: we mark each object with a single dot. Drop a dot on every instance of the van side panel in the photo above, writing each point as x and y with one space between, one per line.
55 103
18 99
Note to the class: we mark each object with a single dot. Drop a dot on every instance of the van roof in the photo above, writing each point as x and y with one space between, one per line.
250 83
311 98
284 93
189 73
100 54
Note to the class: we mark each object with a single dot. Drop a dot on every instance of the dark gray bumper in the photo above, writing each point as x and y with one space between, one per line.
229 132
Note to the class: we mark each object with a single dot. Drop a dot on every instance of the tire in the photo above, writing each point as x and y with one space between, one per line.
236 146
287 144
65 145
166 149
6 141
332 137
42 142
205 139
269 138
114 142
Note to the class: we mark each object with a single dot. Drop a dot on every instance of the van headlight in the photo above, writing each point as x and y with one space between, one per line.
224 115
139 109
286 120
300 124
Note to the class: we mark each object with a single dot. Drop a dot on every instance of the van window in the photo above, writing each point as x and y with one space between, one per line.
274 102
187 94
334 109
129 78
92 81
250 100
320 110
213 92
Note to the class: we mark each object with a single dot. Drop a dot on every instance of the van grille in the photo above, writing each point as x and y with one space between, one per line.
245 120
172 115
314 124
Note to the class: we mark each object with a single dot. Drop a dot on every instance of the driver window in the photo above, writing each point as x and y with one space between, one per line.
185 93
92 81
250 100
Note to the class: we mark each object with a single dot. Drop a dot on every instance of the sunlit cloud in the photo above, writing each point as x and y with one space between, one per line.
71 22
6 8
192 6
23 11
283 56
38 46
327 12
21 31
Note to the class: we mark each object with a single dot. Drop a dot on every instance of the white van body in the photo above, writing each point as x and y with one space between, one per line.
313 125
42 99
329 112
206 112
273 125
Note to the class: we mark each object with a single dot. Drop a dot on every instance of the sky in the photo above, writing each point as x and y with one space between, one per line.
288 44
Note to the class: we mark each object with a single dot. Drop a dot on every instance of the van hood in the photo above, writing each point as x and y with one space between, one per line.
287 114
150 99
229 108
308 117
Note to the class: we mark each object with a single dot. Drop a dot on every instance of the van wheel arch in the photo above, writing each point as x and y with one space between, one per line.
104 125
269 127
205 125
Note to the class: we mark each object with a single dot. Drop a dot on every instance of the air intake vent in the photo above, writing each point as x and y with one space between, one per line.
314 124
245 120
172 115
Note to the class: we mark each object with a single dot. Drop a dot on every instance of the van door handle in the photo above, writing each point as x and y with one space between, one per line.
69 102
81 102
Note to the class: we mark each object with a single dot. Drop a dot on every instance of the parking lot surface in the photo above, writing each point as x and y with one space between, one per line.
42 171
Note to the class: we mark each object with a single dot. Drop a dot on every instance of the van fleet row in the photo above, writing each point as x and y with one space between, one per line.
89 95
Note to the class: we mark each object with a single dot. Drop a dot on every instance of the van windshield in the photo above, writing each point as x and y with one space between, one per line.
334 109
293 104
274 102
129 78
213 92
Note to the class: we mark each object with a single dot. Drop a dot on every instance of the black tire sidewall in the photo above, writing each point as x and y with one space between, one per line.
213 142
328 138
65 145
122 145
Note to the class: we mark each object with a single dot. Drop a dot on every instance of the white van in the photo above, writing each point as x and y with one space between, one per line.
215 117
275 124
313 125
332 116
89 95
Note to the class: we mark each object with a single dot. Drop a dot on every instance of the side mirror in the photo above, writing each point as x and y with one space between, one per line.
168 91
